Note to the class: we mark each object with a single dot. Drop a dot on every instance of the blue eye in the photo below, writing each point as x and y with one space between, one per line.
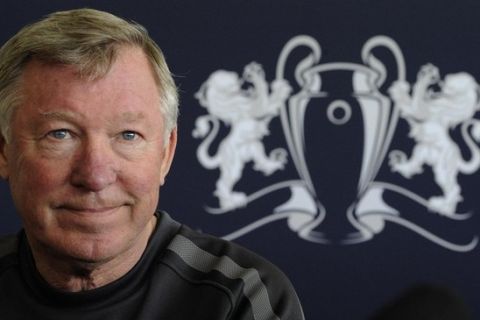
59 134
129 135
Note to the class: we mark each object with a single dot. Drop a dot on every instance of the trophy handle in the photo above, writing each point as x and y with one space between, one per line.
379 133
300 76
370 60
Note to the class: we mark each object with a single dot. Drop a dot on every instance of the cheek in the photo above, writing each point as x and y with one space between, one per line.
141 183
35 179
145 189
142 180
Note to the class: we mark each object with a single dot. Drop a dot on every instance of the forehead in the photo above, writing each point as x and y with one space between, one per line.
129 63
128 89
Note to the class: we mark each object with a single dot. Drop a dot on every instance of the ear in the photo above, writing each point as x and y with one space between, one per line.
168 152
4 172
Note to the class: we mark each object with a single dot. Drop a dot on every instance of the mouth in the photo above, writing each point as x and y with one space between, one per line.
90 219
89 210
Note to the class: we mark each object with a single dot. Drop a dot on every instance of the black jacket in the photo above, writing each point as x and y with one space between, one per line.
183 274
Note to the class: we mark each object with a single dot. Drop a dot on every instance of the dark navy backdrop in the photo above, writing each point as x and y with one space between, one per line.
334 281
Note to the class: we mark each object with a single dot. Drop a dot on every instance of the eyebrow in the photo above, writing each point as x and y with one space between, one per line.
132 116
128 117
59 115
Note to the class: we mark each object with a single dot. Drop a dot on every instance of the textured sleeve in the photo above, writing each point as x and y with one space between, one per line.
267 295
256 288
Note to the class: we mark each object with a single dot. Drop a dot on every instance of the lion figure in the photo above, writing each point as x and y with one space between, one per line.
245 105
431 115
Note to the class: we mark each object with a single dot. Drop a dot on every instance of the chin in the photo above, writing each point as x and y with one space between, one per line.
86 248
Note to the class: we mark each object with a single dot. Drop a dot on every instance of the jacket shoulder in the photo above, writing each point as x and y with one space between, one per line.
269 293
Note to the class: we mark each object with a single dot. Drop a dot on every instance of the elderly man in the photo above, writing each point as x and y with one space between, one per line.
88 114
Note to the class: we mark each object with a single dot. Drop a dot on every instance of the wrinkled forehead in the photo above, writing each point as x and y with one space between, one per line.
88 66
128 86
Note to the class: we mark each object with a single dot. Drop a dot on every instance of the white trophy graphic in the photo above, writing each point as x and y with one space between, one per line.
339 119
335 175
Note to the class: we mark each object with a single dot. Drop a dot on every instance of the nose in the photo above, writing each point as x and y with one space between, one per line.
94 168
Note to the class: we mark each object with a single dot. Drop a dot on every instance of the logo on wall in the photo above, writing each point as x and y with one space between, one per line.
337 141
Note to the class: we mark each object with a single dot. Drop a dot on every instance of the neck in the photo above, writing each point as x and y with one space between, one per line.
82 276
73 275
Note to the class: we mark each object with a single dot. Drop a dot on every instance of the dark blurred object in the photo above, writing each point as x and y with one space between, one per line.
425 302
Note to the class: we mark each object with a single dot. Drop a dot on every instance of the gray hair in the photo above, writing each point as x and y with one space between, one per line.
90 41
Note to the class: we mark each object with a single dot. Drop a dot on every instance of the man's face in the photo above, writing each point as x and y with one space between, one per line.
87 158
